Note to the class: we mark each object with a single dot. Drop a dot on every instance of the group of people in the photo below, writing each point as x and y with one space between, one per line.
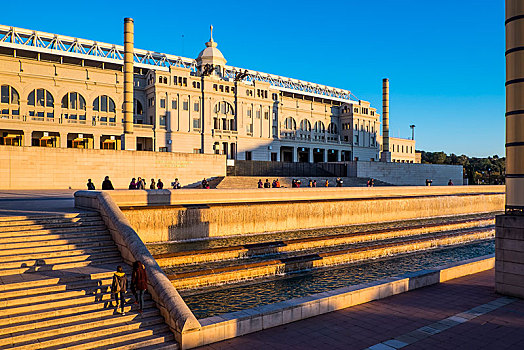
106 184
138 287
205 184
140 184
371 182
296 183
267 184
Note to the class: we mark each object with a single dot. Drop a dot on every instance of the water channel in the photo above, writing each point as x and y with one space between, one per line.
228 297
239 297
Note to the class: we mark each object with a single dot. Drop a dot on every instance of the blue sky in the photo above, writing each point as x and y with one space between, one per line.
445 59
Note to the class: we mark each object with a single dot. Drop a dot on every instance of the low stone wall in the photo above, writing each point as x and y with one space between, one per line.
62 168
171 305
197 214
238 323
406 174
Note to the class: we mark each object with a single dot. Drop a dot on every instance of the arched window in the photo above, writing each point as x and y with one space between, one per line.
73 106
332 128
319 127
9 101
290 124
42 102
305 125
104 109
224 116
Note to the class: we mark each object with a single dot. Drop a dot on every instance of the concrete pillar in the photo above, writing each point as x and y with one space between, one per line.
386 154
310 155
325 156
509 237
96 141
339 155
28 138
63 140
128 139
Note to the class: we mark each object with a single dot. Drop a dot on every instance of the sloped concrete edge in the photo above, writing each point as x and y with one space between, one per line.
175 311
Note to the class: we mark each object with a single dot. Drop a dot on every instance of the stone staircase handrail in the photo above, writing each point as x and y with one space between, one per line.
173 308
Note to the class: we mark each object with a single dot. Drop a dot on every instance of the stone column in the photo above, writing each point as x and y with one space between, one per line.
386 154
128 139
310 155
509 237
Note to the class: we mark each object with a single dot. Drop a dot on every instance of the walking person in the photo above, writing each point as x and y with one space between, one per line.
90 185
107 185
139 283
159 184
133 283
153 185
119 288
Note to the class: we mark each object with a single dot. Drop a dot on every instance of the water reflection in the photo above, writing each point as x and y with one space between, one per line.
235 298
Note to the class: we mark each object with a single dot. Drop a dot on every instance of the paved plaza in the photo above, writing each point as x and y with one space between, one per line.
464 313
36 202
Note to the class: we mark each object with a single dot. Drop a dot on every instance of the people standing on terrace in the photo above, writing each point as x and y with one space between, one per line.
339 182
140 185
90 185
277 183
450 183
314 183
267 184
159 184
310 183
326 184
107 185
132 184
260 184
205 184
175 184
152 186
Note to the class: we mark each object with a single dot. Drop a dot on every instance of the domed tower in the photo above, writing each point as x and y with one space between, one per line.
210 61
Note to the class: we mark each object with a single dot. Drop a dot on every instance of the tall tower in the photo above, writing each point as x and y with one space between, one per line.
128 139
509 236
386 154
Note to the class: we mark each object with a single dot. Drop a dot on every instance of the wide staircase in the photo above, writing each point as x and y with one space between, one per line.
252 181
55 277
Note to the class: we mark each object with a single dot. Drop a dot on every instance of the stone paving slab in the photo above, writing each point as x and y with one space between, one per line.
463 313
36 202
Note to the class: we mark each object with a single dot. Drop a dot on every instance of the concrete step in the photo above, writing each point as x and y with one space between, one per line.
56 254
50 261
57 231
81 305
98 335
14 329
52 242
78 322
94 285
28 226
32 269
47 278
50 217
165 341
101 242
132 339
17 236
97 290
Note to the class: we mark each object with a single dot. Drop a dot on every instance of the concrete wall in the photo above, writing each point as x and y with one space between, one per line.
193 214
62 168
509 252
407 174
